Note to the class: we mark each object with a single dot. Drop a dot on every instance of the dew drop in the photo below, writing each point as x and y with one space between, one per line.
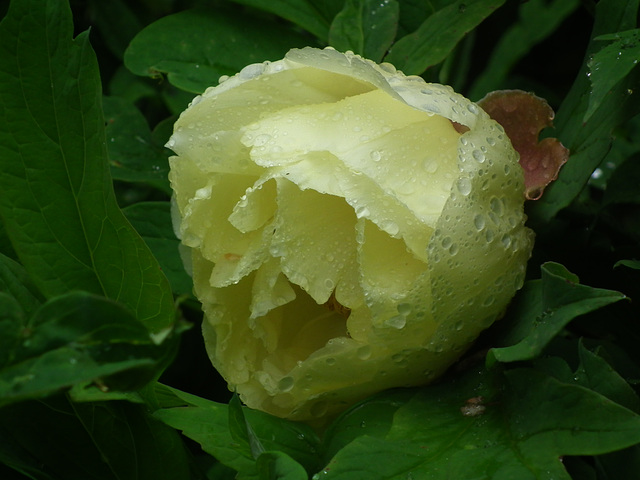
478 221
464 186
390 227
405 309
430 166
364 352
399 321
330 361
376 155
286 384
478 156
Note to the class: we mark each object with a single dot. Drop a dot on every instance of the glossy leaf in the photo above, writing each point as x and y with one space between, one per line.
74 339
543 308
134 156
537 20
208 424
110 440
307 14
366 27
438 35
589 142
152 220
174 46
58 204
485 425
611 64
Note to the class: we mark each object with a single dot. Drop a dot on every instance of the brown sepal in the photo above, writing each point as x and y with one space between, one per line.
523 116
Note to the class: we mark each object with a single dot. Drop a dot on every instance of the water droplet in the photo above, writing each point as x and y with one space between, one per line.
390 227
488 301
330 361
286 384
430 166
399 321
261 140
464 186
478 156
506 240
478 221
364 352
473 108
405 309
496 205
318 409
376 155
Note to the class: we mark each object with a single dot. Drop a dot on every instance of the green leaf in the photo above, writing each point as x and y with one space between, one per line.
589 142
279 466
307 14
596 374
110 440
15 282
622 186
196 47
241 430
486 425
208 422
116 23
537 20
438 35
79 338
366 27
543 308
635 264
58 204
610 65
134 156
152 220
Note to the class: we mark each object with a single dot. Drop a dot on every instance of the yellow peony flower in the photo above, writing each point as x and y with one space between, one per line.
343 235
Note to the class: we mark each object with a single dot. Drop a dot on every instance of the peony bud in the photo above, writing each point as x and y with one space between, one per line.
349 228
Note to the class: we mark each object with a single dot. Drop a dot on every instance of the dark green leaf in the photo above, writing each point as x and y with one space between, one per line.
117 24
196 47
14 281
111 440
438 35
622 186
279 466
629 263
207 423
596 374
610 65
366 27
152 220
241 431
307 14
133 154
543 309
589 142
537 20
487 426
58 204
79 338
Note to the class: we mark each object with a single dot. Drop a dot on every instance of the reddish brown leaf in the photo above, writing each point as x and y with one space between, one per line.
523 116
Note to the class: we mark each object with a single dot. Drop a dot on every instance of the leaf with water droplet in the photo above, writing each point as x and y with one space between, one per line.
542 309
611 64
529 421
523 116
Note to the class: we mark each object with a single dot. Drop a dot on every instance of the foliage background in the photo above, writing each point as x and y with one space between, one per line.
102 369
